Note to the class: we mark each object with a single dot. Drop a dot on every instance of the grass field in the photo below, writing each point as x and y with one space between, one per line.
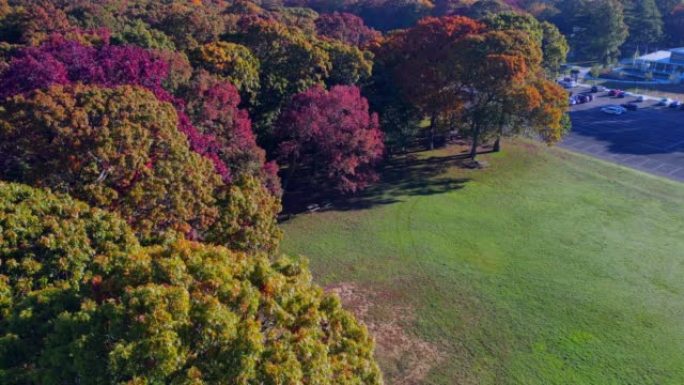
545 268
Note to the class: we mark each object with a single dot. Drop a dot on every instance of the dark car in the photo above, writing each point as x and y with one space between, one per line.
621 94
614 92
596 89
630 106
676 104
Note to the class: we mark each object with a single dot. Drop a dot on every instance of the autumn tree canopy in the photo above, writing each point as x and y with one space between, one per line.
346 27
333 135
125 143
468 76
82 302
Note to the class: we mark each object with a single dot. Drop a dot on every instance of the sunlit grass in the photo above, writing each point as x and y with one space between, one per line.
545 268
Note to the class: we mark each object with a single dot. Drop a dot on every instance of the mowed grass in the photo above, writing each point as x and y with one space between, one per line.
545 268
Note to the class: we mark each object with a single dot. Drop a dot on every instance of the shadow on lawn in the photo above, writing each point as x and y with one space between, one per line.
406 175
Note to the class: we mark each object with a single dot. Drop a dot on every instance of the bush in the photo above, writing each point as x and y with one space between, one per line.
82 302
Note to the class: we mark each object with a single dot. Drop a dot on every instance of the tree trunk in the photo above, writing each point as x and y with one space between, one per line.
476 142
432 131
290 173
497 144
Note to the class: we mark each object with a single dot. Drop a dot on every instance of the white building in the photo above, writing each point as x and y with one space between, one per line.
660 63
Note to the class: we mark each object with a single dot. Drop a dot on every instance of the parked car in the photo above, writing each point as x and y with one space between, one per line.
675 104
567 85
629 106
614 110
640 98
596 89
664 102
614 92
621 94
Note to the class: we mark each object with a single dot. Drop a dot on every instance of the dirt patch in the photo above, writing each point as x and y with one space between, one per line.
404 358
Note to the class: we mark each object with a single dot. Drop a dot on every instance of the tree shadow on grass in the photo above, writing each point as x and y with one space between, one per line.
402 176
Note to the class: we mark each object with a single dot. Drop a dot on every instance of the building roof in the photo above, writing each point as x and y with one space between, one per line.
658 56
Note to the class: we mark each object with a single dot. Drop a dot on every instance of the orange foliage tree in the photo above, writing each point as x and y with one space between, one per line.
490 82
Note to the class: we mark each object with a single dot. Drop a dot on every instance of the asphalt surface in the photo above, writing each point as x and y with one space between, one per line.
650 139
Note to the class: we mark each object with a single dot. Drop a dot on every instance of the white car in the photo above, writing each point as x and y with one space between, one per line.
614 110
640 98
664 102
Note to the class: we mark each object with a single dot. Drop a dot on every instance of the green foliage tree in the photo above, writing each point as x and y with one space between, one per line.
232 62
596 28
645 23
555 48
189 24
290 63
553 44
247 216
349 64
82 302
139 33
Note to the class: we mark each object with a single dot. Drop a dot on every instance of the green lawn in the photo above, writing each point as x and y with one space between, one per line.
545 268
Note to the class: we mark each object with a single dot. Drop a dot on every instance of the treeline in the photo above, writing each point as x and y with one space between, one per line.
166 132
598 30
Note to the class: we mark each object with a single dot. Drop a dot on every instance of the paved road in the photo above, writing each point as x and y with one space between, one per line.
650 139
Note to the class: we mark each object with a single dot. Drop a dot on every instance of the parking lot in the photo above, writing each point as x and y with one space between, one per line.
650 139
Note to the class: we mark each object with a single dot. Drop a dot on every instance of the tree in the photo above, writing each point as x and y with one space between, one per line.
71 62
417 58
547 36
349 65
83 302
290 63
501 90
33 23
555 48
645 23
347 28
189 25
139 33
213 105
595 72
482 8
247 217
596 28
674 25
232 62
117 149
333 134
299 17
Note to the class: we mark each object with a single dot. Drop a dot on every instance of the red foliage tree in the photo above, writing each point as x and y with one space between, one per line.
212 104
346 27
59 61
333 133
